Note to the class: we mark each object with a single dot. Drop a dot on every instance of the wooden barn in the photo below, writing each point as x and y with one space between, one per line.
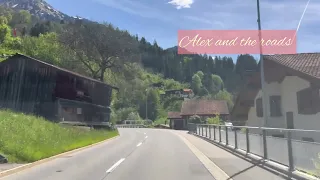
35 87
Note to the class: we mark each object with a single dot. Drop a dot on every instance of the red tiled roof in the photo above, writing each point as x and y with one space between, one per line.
174 115
204 107
187 90
307 63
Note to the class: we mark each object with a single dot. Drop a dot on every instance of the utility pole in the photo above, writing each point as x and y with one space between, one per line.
147 104
264 93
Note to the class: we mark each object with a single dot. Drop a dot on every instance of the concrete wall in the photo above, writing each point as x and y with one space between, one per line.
287 89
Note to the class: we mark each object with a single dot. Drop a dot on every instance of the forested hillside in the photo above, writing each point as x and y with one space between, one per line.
127 61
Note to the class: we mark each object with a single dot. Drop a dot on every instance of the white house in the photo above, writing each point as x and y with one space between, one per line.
293 98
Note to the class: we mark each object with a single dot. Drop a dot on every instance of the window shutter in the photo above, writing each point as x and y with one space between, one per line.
259 108
275 106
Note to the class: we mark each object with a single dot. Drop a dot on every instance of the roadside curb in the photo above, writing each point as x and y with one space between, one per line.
273 165
29 165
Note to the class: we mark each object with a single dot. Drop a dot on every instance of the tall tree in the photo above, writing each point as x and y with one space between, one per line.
100 47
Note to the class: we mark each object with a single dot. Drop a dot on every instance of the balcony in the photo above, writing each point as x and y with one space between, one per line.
77 111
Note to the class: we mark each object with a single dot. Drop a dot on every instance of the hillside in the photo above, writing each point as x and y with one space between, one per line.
44 138
124 60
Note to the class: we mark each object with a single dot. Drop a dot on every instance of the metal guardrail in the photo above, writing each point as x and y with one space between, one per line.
74 123
285 151
130 126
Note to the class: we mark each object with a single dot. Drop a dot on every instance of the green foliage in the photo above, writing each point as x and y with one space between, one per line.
196 84
133 116
22 17
5 33
45 47
122 114
215 120
224 95
3 20
162 120
26 138
104 52
217 83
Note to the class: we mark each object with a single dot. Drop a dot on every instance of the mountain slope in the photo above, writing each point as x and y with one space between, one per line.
38 8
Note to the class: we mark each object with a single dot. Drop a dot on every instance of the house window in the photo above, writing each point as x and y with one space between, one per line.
308 101
275 106
259 108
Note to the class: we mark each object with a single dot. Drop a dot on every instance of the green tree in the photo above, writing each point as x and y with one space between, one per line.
100 47
196 84
133 116
5 33
217 83
224 95
3 20
21 17
215 120
46 47
200 74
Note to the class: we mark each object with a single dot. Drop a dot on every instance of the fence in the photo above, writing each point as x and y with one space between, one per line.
130 126
294 154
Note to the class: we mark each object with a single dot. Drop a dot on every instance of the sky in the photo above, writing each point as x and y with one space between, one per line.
160 20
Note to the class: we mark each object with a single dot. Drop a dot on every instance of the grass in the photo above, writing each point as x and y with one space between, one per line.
26 138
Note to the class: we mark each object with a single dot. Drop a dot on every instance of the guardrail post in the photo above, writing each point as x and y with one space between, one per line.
209 131
201 130
220 134
265 148
247 140
227 139
235 139
214 132
290 153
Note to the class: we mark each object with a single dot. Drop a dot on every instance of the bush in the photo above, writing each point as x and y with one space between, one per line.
216 120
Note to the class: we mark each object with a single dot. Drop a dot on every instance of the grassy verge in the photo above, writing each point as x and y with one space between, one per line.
26 138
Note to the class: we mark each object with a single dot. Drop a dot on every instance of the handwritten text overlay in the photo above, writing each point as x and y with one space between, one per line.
236 42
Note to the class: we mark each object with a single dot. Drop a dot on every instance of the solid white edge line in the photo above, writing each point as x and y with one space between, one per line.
115 165
139 144
215 170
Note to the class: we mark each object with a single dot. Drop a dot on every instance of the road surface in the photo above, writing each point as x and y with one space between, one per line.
142 154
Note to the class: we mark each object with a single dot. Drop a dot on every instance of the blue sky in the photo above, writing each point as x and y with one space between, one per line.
161 19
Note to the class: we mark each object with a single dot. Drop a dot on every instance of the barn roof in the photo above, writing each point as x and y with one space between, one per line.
58 68
174 115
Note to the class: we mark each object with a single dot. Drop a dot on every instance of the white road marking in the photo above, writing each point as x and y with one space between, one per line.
215 170
115 165
144 133
139 144
146 137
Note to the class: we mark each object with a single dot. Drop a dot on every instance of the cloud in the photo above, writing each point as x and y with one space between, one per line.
181 3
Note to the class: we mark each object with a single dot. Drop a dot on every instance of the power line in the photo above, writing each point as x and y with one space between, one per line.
304 11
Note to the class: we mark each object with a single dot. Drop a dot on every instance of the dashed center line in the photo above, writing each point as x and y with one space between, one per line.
115 166
139 144
146 137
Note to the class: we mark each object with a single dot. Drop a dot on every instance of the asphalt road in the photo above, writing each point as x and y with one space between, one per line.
142 154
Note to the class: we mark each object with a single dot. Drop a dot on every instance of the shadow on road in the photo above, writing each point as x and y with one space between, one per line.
260 163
